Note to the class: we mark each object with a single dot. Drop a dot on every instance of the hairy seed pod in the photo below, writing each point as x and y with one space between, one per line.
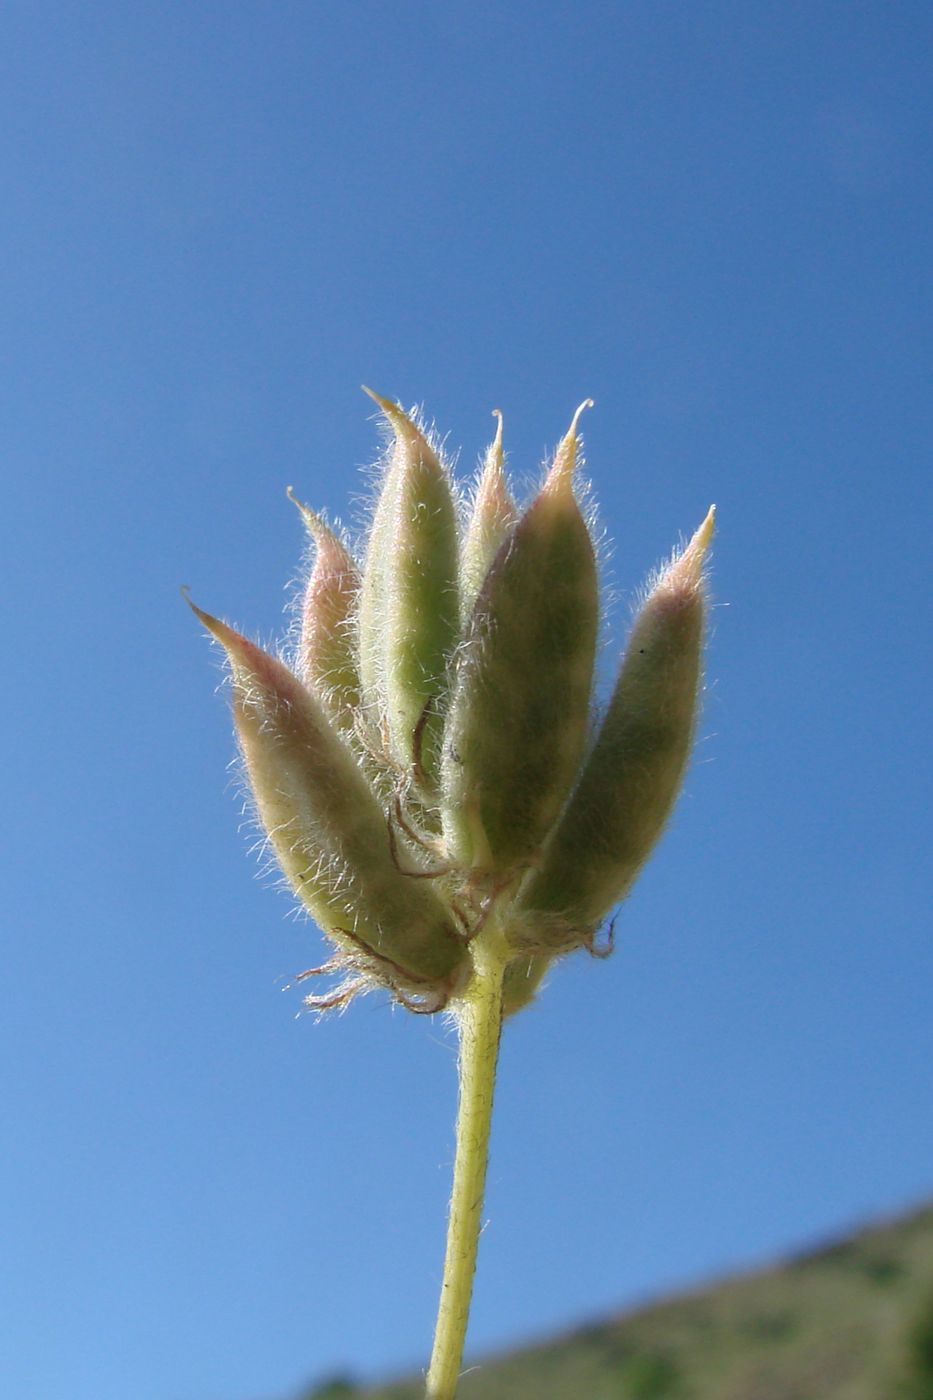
634 771
371 617
523 977
492 520
329 831
517 724
327 649
409 610
426 779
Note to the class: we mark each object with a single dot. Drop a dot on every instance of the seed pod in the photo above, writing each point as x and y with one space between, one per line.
373 604
523 977
327 652
517 724
408 606
491 522
330 833
632 776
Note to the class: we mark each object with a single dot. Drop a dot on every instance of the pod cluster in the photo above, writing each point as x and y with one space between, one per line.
429 760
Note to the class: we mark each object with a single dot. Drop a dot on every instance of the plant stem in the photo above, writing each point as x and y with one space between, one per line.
480 1021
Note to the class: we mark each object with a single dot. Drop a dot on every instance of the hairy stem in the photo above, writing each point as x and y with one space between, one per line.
480 1021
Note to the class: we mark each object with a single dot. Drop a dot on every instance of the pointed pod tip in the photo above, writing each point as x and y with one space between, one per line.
493 461
565 458
316 526
331 553
702 539
587 403
686 571
386 405
306 511
252 669
402 424
218 629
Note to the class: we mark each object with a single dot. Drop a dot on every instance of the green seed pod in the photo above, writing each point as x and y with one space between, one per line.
429 831
492 520
523 977
330 833
409 605
372 609
517 724
327 648
633 773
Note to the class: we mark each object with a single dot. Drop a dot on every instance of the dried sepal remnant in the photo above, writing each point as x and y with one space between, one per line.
423 775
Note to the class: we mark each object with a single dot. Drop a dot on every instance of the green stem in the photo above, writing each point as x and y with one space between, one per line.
480 1021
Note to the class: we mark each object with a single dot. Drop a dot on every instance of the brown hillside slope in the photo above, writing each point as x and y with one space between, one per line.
850 1321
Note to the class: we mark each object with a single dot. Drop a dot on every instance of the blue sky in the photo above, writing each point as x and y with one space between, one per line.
220 219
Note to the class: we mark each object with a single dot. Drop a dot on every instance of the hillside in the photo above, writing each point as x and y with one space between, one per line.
852 1320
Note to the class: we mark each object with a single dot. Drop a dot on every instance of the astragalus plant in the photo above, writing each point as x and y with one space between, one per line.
427 769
